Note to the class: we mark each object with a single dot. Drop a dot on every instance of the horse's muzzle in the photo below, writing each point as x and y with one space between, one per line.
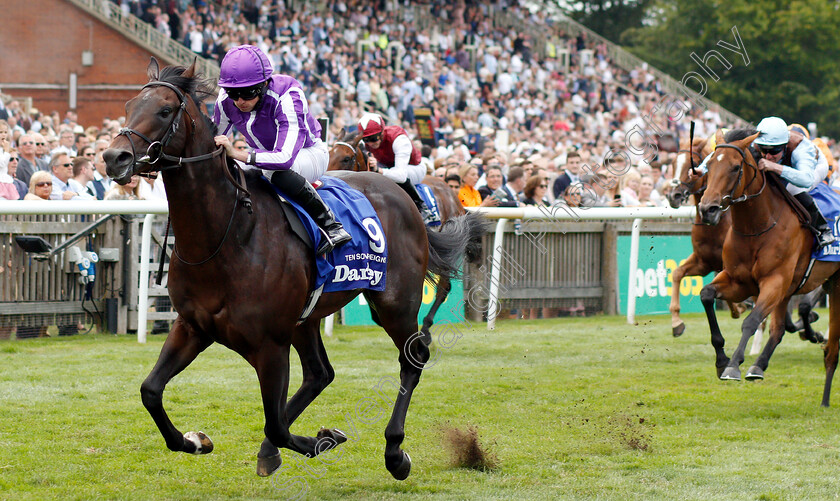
677 197
119 164
710 213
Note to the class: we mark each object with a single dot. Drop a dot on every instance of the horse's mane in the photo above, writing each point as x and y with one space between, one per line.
197 87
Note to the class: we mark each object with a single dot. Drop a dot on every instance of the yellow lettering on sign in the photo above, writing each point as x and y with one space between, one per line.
428 292
670 265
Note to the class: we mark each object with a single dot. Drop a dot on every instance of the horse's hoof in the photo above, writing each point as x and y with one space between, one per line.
400 471
754 373
335 435
268 465
201 442
731 374
678 330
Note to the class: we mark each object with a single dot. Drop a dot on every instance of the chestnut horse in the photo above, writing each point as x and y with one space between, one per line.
242 278
707 241
347 154
766 254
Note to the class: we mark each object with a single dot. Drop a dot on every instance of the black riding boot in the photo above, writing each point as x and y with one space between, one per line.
819 225
429 217
298 189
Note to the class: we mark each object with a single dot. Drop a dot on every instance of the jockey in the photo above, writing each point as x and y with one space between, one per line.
824 150
272 114
391 147
797 161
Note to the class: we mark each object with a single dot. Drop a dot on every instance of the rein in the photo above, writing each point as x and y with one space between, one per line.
687 186
745 197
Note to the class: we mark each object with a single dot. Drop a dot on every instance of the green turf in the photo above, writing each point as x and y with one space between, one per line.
583 408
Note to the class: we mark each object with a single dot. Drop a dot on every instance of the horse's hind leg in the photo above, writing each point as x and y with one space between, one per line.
692 266
180 349
830 355
806 307
317 375
444 286
272 365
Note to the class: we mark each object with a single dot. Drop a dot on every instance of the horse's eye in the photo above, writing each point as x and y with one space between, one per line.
165 112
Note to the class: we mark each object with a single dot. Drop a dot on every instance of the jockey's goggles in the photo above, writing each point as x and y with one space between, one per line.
771 149
372 139
246 93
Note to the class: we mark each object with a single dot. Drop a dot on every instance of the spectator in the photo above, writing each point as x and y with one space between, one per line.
535 192
28 163
101 182
493 179
630 191
62 171
600 190
14 158
508 193
569 176
648 196
8 190
40 186
66 142
469 196
128 191
82 176
454 182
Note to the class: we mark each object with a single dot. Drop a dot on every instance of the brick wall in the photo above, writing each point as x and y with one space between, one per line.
42 43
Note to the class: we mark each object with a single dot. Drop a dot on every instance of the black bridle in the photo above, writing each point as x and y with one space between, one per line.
154 152
356 151
688 186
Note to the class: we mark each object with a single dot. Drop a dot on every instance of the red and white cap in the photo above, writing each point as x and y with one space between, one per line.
371 124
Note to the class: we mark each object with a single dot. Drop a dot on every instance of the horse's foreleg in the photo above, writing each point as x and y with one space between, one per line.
707 296
777 331
180 349
444 286
832 347
771 295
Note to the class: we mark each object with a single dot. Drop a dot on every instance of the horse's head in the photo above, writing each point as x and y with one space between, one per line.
160 123
685 183
731 172
346 154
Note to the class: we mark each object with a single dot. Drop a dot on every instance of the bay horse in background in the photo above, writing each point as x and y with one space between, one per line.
347 154
242 278
707 241
766 254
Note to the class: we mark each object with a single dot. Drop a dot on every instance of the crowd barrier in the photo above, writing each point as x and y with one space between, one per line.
574 260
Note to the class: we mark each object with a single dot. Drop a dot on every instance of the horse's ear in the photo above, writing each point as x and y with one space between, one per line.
341 134
153 70
190 72
748 140
700 144
719 137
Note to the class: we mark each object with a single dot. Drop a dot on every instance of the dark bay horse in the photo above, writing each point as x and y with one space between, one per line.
707 241
240 277
347 154
766 255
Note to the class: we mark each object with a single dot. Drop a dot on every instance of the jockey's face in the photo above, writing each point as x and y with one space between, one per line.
246 105
772 153
373 142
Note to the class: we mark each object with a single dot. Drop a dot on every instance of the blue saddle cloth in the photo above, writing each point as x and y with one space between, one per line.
360 263
428 196
829 203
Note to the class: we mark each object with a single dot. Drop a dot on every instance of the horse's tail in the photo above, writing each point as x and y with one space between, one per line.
458 238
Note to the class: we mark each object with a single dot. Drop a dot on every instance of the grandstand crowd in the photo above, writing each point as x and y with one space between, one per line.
552 115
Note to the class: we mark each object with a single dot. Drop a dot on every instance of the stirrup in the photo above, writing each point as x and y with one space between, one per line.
825 238
332 238
429 217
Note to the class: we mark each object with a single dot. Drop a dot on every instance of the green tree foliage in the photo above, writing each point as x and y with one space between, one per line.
792 46
608 18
